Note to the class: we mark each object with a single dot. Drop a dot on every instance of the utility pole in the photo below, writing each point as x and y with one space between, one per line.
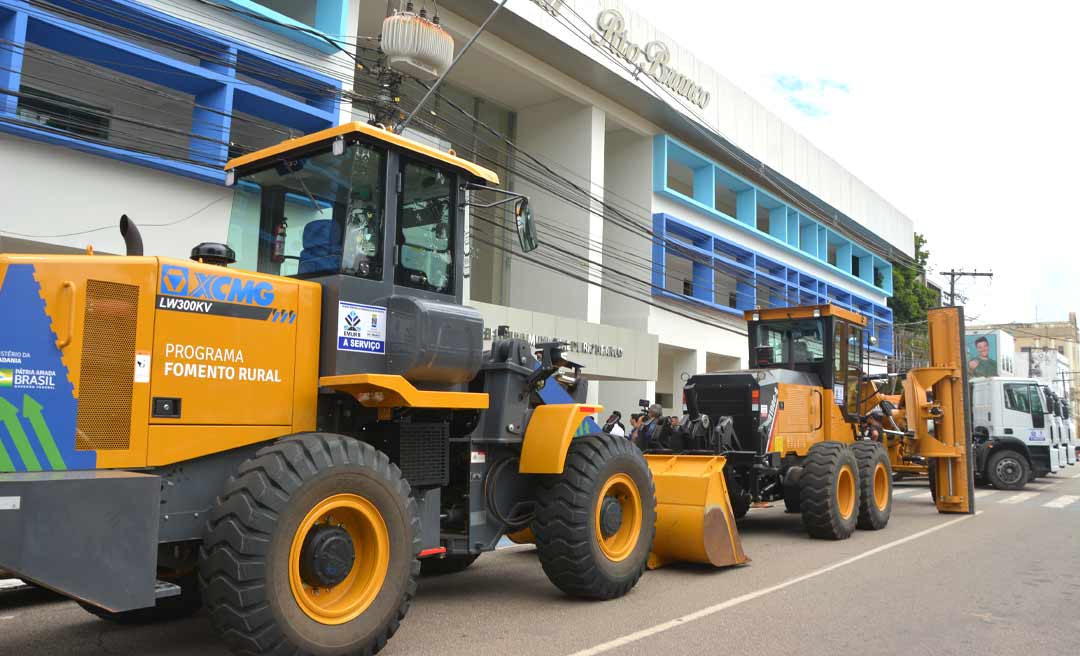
954 274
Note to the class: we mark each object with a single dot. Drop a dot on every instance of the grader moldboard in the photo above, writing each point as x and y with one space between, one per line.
791 429
289 442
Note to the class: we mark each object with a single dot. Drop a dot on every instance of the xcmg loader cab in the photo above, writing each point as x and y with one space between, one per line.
291 426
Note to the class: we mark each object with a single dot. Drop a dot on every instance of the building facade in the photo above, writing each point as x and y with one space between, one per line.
668 201
1049 351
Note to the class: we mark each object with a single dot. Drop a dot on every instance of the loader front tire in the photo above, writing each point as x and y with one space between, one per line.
311 548
829 494
875 485
595 522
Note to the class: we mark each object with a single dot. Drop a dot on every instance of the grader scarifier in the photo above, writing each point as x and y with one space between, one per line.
289 429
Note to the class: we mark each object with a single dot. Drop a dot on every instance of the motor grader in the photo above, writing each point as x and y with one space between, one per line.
287 429
792 428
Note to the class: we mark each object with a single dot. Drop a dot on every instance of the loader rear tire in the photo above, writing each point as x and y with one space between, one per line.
792 500
447 565
829 492
311 548
595 522
875 485
167 609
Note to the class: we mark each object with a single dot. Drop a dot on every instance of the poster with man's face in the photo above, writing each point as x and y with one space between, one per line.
980 355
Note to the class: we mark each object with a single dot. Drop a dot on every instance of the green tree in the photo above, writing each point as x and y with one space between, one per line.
911 297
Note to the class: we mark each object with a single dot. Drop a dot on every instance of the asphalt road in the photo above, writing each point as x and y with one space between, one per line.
1005 581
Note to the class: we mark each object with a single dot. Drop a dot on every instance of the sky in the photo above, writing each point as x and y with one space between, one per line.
964 115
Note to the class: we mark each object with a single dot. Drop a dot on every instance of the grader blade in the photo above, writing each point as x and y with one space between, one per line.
938 395
694 520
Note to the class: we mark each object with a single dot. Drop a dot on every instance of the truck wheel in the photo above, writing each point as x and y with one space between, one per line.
311 548
595 522
875 485
167 609
1008 470
447 565
830 491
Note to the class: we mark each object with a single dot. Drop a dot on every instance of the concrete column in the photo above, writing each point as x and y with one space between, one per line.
570 137
688 362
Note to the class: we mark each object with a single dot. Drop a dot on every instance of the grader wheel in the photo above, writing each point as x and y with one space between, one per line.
595 522
875 483
311 548
829 495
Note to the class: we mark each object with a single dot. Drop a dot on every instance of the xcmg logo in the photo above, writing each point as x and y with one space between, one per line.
180 281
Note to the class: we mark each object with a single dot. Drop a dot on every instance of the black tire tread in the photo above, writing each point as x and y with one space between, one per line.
868 454
817 497
237 537
564 512
991 474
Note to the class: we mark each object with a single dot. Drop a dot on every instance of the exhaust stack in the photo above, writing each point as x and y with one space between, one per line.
132 238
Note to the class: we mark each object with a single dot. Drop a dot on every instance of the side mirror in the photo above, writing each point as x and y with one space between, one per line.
526 229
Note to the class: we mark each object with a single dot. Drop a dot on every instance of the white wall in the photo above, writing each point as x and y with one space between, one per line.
741 119
572 136
51 190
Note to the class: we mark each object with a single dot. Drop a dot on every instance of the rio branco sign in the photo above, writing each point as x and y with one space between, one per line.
652 58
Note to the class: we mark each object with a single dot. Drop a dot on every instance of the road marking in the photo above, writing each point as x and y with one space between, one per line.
1037 486
1019 498
1075 476
1062 501
903 492
8 584
980 494
750 596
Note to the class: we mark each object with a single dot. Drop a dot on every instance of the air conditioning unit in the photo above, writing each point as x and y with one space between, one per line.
416 46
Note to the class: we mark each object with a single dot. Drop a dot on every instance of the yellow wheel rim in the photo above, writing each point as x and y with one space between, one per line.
619 545
371 543
881 486
845 491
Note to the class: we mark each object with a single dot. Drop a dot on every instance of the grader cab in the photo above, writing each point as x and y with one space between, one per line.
791 429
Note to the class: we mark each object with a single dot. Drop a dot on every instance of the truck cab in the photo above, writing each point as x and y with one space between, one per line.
1054 425
1012 432
1070 431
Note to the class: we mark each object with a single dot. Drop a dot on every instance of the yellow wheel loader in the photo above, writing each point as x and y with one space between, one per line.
791 429
287 430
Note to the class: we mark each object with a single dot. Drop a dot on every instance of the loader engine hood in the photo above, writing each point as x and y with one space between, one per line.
748 397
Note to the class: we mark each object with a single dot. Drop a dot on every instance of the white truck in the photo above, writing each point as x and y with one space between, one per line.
1063 423
1011 430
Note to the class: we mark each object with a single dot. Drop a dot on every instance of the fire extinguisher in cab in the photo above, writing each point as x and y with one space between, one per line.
277 252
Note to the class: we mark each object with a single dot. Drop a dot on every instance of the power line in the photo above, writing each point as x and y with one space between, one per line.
954 274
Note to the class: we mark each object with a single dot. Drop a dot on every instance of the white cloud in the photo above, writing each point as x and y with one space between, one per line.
964 114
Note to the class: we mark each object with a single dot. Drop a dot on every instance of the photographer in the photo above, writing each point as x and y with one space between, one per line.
649 427
614 425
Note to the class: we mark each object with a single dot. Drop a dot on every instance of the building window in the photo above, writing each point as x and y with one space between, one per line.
705 186
692 265
330 17
58 113
113 79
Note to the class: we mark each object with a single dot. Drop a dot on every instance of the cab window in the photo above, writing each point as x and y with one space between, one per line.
1019 395
854 369
312 215
784 343
425 255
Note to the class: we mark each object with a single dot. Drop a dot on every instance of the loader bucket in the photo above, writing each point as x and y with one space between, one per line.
694 520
